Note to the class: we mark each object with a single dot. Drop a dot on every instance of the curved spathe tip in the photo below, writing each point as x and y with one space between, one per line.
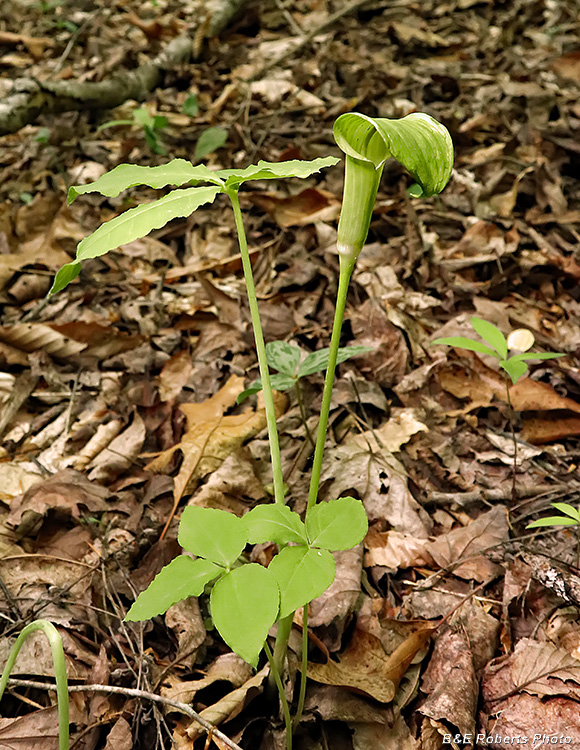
418 141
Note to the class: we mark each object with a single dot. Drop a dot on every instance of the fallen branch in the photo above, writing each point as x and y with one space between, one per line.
496 495
133 693
30 97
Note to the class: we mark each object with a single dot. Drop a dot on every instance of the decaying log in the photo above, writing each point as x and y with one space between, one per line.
30 98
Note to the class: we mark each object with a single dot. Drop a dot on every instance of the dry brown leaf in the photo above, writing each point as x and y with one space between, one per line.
306 207
101 340
31 337
23 732
568 66
384 736
361 667
228 668
211 437
184 619
333 703
451 683
480 385
391 549
121 452
487 530
174 375
230 705
66 491
120 737
359 465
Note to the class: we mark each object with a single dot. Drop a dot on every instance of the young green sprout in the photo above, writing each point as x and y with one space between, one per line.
520 340
515 366
286 359
570 517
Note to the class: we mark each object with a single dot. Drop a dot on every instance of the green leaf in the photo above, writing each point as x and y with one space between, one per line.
278 382
176 172
190 106
137 222
491 334
552 521
209 141
302 575
244 606
534 355
183 577
464 343
420 143
318 361
274 523
283 357
338 524
254 387
267 170
514 369
216 534
64 276
569 510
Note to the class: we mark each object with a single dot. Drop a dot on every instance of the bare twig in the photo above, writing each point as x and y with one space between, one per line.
496 495
133 693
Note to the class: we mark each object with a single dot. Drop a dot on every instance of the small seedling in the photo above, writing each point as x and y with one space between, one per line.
570 517
209 141
514 366
246 598
286 359
499 347
152 126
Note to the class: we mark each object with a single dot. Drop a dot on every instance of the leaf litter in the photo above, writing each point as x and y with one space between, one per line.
118 396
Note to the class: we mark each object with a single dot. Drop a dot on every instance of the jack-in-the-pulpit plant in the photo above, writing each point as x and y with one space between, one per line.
246 599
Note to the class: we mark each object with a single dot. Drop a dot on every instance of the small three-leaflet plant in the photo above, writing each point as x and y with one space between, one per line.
246 599
514 366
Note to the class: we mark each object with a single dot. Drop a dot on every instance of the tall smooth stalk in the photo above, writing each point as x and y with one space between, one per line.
59 672
346 267
277 477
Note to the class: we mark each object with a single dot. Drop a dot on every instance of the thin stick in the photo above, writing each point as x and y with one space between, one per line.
133 693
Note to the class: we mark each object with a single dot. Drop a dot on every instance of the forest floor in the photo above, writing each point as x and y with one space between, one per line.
93 381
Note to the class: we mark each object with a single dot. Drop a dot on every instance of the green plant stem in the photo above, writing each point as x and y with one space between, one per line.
304 670
59 672
281 645
515 441
282 694
346 267
260 350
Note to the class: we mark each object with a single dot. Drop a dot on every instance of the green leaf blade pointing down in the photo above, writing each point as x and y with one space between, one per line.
215 534
244 606
462 342
176 172
302 574
133 224
181 578
418 142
